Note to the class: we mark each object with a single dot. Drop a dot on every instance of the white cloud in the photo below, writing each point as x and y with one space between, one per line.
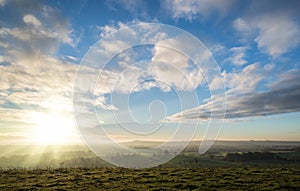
269 67
167 55
30 19
105 82
110 47
241 25
277 35
193 8
217 49
216 83
124 80
109 29
71 58
244 81
47 86
238 57
34 79
100 102
106 30
2 3
274 33
168 66
173 68
129 79
35 37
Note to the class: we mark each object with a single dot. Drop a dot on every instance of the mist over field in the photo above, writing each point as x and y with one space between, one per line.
222 154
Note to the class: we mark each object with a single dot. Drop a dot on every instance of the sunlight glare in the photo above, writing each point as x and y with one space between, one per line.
52 128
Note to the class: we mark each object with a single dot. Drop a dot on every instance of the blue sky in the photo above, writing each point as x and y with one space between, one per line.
256 45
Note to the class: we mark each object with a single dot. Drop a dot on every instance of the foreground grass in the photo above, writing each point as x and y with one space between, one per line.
151 179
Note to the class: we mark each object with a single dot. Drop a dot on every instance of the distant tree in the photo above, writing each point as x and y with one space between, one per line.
250 156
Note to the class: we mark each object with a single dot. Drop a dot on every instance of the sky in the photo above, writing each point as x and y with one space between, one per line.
45 47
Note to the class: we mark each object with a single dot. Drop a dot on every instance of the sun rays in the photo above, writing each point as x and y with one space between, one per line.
52 128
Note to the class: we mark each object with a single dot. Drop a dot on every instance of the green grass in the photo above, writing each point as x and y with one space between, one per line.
151 179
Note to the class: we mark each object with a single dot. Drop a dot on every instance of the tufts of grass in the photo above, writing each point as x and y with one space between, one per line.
151 179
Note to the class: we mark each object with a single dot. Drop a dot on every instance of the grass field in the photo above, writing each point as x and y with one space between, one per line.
227 166
151 179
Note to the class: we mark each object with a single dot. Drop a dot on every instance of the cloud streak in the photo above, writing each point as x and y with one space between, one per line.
282 97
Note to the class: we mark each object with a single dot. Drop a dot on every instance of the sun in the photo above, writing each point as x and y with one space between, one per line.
52 128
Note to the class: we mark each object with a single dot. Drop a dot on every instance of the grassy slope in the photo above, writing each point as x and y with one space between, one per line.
152 179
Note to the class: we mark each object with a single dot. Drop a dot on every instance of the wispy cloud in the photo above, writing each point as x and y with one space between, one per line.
192 9
166 67
245 80
238 55
136 8
33 80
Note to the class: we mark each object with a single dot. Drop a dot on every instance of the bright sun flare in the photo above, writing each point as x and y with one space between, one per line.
52 128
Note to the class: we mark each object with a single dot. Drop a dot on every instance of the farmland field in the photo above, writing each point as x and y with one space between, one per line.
226 166
151 179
